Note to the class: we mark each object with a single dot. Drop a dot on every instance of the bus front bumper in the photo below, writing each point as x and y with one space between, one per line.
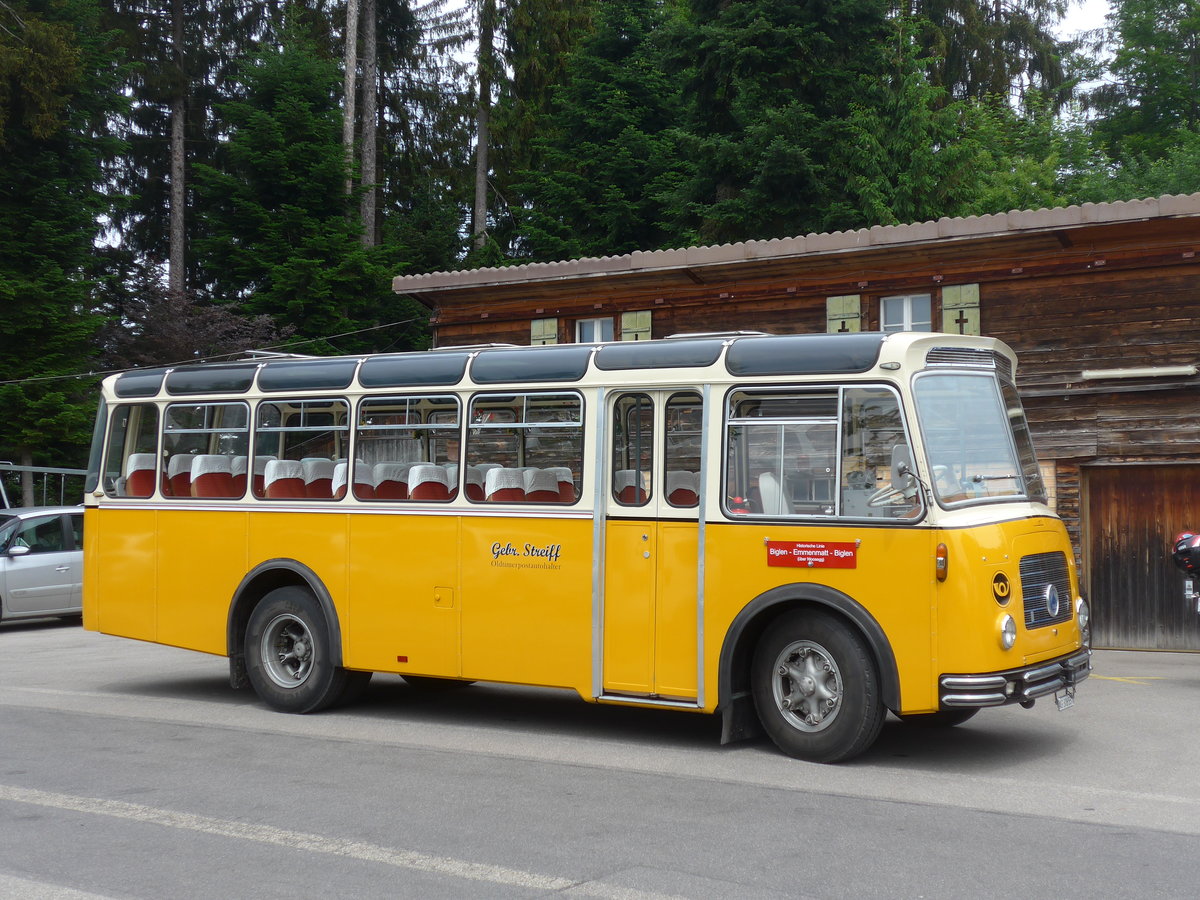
1017 685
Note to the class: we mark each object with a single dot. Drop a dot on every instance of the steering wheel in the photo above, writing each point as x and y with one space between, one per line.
886 496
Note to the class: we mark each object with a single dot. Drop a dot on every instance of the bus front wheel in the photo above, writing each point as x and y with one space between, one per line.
288 658
816 687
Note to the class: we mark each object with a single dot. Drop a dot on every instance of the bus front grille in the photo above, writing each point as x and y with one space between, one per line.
1046 589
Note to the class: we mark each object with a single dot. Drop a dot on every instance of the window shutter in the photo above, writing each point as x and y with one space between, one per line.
843 313
960 309
635 326
543 331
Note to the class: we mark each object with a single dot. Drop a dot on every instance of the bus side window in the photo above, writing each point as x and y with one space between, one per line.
297 445
781 454
525 448
406 448
204 450
684 418
129 465
872 439
633 450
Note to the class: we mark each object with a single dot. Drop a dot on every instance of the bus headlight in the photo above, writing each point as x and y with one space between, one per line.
1083 614
1008 632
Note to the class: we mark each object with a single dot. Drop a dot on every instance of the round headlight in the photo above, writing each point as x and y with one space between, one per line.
1008 632
1084 615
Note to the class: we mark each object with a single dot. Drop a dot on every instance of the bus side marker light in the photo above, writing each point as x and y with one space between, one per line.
942 562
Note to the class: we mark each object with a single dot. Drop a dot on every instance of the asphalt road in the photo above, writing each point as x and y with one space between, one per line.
133 771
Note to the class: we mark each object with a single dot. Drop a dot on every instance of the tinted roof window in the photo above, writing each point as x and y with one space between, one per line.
212 379
658 354
413 369
139 383
307 374
804 354
535 364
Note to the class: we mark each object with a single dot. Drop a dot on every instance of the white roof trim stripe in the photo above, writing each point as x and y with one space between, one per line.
646 261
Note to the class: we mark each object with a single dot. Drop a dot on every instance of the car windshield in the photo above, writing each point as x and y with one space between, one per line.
976 439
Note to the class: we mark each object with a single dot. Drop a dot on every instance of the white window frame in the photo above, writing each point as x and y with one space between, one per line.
585 330
908 322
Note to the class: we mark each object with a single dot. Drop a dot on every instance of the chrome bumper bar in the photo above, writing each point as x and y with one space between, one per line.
1015 686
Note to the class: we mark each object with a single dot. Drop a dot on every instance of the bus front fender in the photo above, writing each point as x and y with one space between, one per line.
739 720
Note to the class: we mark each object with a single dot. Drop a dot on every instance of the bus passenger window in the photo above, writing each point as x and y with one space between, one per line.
204 450
633 450
298 444
130 460
524 448
684 418
407 449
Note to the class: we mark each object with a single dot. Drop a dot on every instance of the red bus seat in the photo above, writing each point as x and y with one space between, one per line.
179 475
283 479
212 476
318 478
428 482
681 488
502 485
627 487
139 475
391 480
541 486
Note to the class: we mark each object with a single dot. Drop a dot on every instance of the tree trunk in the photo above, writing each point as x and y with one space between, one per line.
351 89
370 115
486 66
177 275
27 498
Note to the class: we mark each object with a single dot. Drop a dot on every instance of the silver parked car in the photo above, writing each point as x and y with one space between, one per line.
41 562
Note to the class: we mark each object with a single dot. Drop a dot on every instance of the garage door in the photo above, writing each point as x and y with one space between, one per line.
1135 591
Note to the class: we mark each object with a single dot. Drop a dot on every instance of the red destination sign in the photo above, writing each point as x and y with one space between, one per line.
813 554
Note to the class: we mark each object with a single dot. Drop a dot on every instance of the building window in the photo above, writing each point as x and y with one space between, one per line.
635 326
543 331
591 331
906 312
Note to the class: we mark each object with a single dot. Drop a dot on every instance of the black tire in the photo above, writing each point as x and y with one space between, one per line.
432 683
946 718
288 656
816 687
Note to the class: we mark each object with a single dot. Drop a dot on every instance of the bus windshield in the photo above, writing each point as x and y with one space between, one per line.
977 439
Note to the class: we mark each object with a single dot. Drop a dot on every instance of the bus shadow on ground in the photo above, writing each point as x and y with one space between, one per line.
986 744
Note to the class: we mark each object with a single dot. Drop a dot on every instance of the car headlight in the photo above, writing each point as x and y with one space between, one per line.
1008 632
1083 615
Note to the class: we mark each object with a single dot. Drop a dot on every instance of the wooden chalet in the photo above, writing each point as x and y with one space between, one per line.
1100 301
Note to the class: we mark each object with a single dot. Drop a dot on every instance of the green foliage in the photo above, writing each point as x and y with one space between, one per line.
1153 88
56 93
278 233
606 151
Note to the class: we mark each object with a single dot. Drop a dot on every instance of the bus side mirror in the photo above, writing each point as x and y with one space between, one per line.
903 478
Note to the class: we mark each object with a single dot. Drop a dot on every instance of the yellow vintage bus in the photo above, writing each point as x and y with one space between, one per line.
798 533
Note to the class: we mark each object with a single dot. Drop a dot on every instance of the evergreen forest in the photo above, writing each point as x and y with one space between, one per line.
187 179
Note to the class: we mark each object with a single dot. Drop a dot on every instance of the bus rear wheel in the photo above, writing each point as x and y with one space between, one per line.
288 657
816 687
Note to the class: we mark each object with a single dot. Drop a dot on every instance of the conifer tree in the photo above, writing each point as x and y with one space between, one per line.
56 96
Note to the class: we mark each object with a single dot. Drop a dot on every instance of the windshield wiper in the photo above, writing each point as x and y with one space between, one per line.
980 478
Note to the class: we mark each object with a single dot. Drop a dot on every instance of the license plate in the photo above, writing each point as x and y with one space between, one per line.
1065 700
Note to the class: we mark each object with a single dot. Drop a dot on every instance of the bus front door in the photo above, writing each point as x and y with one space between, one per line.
649 624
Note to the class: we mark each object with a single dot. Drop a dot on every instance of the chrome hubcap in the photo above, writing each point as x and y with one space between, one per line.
287 651
807 686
